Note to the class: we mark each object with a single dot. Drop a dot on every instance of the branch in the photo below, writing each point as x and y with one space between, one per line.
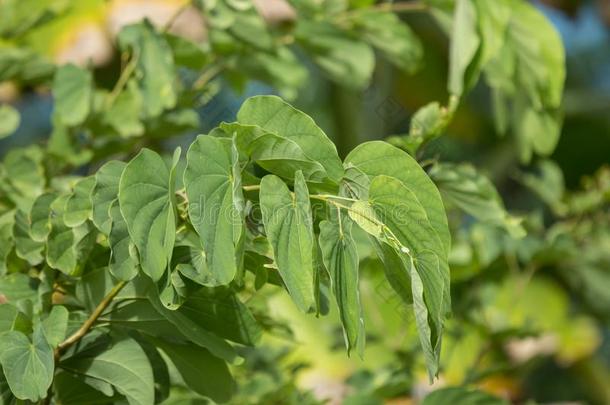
86 326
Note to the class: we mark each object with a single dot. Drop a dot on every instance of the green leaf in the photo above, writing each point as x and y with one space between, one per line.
26 248
340 257
40 224
412 234
18 287
124 264
24 173
343 58
9 120
124 365
67 247
145 197
201 371
213 185
288 224
124 114
11 318
276 116
284 157
55 325
465 43
392 37
72 90
73 389
28 366
155 66
222 313
78 206
461 396
104 192
195 332
474 193
187 53
380 158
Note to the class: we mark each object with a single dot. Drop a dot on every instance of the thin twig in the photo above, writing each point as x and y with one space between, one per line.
86 326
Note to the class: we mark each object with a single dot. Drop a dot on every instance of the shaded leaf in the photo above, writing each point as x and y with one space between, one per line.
78 206
72 90
104 192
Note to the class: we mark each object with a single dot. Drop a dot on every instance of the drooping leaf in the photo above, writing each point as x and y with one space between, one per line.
78 206
288 224
9 120
124 263
201 371
155 65
464 67
28 365
276 116
340 257
213 185
474 193
124 365
146 204
104 192
55 325
72 90
413 237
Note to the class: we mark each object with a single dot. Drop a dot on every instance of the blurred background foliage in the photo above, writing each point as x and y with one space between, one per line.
530 314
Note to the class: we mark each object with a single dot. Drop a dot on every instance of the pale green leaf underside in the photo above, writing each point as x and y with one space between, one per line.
215 204
288 224
144 198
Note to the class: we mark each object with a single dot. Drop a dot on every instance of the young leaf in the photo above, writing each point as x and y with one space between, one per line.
275 115
124 365
28 366
72 90
288 224
213 185
124 262
203 373
379 158
78 205
340 257
105 192
145 201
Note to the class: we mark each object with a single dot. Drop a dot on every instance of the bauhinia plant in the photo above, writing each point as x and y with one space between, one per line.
157 251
